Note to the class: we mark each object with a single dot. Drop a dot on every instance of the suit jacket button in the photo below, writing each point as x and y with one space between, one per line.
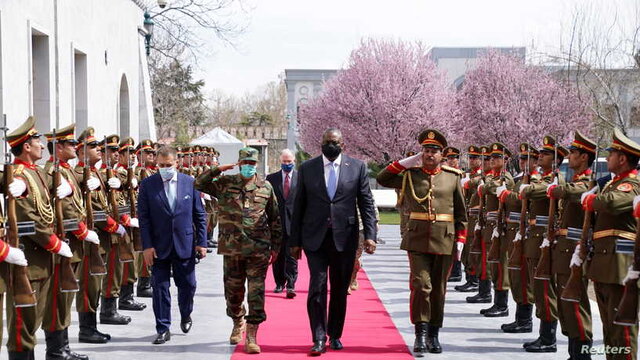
604 251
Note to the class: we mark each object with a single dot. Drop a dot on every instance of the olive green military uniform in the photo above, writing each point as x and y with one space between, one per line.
250 230
613 242
144 270
473 205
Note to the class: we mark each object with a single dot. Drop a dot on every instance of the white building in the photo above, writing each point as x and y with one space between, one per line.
81 61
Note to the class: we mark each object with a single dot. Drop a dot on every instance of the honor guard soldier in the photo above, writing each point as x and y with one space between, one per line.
551 156
614 236
471 200
250 235
516 212
30 188
146 167
126 199
436 231
211 204
453 160
575 317
87 299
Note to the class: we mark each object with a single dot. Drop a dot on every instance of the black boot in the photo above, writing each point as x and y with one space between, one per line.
144 287
127 302
523 323
483 295
109 314
501 305
88 329
19 355
456 272
470 286
420 344
65 342
433 344
55 346
581 349
547 340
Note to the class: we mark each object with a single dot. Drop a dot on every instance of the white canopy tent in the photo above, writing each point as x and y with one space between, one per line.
226 144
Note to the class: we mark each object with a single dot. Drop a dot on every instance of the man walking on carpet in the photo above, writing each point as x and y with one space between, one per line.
329 189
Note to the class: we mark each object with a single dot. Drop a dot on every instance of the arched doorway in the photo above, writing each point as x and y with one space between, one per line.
123 104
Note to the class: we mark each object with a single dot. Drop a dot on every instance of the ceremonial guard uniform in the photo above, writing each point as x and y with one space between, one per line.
250 230
437 220
142 171
452 155
613 243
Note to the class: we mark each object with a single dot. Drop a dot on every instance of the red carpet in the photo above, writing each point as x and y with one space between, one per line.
369 332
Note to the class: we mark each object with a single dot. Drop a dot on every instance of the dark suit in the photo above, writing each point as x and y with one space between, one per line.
173 235
285 268
327 229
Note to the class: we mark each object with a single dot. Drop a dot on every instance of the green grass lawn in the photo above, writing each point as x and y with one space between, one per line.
389 218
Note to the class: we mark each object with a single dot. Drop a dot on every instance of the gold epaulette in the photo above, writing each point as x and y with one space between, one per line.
452 170
18 169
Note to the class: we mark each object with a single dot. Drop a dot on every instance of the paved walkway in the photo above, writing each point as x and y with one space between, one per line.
465 332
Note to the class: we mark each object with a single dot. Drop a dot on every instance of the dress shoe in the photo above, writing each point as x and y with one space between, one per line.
162 338
291 293
185 325
319 348
335 344
278 289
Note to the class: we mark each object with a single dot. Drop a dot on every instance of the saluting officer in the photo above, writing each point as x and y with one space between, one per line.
436 231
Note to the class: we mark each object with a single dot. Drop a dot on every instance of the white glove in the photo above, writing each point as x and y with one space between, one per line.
631 275
134 183
208 197
412 161
65 250
17 187
121 230
500 189
16 257
114 183
133 222
518 237
495 234
64 189
522 187
636 200
477 227
545 243
459 247
465 180
93 183
576 261
92 237
587 193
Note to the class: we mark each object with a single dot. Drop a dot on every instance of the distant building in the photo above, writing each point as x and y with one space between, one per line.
79 61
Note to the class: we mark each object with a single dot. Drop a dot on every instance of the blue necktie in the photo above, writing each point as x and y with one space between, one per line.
332 184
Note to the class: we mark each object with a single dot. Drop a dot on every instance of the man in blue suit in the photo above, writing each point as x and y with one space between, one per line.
173 229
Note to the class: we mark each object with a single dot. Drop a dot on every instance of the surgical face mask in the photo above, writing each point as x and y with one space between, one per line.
286 167
331 150
167 173
247 171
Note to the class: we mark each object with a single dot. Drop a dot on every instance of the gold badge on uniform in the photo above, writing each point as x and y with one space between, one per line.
626 187
431 135
546 140
495 147
523 148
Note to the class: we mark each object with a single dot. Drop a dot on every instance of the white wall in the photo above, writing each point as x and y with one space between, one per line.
96 28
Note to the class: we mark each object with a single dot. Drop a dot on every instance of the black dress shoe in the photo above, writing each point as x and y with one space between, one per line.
162 338
185 325
291 293
335 344
278 289
319 348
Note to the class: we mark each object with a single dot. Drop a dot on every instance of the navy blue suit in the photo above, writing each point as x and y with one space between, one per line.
174 236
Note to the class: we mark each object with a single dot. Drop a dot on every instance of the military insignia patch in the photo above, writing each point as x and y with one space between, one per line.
626 187
523 148
431 135
546 140
495 147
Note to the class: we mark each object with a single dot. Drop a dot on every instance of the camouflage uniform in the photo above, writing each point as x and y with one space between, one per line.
249 230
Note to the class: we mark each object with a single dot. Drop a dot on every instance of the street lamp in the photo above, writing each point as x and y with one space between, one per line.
148 27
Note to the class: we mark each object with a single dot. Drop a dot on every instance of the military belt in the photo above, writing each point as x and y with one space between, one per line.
573 234
430 217
624 246
514 217
492 216
542 221
613 232
475 211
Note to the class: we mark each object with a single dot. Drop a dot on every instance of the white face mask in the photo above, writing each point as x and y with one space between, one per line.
167 173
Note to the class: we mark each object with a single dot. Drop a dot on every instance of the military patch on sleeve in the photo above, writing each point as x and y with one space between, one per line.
626 187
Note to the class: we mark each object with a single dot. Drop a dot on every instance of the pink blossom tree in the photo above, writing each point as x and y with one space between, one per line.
505 100
389 92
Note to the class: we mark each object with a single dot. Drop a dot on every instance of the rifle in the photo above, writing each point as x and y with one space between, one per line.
515 261
627 314
96 264
543 269
477 248
23 294
124 252
494 251
131 192
68 282
573 289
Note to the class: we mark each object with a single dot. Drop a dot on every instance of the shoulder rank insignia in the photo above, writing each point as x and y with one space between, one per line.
18 169
453 170
626 187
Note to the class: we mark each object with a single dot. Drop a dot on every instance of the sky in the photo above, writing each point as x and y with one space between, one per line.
305 34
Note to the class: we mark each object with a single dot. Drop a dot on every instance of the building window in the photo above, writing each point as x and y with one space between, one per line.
40 84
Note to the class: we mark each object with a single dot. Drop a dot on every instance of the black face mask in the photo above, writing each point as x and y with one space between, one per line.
331 150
